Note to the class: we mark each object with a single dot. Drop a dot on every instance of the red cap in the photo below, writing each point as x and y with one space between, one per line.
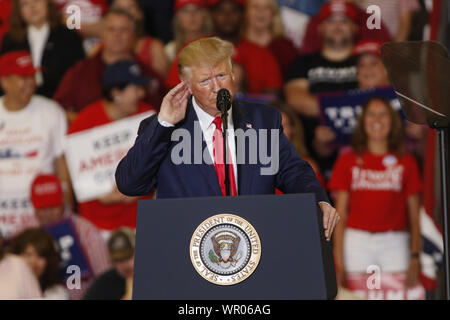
181 3
214 2
338 6
46 191
17 62
367 46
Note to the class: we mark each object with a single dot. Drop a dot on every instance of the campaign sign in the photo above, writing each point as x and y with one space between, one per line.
383 286
16 214
340 111
93 155
70 248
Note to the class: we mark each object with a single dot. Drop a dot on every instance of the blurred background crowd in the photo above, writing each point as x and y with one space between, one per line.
317 61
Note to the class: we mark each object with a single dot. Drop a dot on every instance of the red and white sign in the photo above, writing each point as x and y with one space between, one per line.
383 286
16 214
93 155
91 10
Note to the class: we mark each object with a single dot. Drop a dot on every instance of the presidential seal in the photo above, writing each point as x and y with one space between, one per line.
225 249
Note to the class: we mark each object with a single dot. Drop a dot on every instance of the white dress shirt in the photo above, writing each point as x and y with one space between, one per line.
208 128
37 38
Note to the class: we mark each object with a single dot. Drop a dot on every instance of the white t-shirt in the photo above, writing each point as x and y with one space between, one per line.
30 140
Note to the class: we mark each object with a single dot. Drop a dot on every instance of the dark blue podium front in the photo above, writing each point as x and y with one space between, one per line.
296 262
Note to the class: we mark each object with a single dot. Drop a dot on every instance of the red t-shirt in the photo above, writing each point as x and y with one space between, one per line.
104 216
81 84
284 51
260 66
5 11
173 79
378 187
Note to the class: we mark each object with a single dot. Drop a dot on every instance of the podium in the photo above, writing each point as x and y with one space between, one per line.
262 247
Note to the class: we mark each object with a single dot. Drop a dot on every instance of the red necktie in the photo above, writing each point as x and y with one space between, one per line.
218 159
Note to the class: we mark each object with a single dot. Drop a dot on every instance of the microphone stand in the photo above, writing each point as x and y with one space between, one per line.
225 150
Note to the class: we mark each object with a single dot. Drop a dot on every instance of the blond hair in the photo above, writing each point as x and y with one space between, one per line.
276 28
179 34
204 52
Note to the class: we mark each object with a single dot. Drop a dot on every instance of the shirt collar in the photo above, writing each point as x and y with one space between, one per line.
205 118
42 31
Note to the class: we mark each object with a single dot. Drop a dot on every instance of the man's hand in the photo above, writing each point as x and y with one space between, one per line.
330 219
173 106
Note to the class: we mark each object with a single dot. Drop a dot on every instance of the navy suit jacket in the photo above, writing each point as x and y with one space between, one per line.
148 163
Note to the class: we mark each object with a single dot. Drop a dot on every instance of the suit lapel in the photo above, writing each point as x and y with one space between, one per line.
207 171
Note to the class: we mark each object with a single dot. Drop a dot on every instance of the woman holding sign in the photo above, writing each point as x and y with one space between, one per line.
376 187
123 90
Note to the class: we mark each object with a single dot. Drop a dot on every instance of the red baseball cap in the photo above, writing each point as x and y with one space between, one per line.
181 3
338 6
17 62
214 2
367 46
46 191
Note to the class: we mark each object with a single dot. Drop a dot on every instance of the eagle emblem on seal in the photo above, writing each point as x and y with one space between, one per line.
225 244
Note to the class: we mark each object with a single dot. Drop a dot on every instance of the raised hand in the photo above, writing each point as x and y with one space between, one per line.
173 106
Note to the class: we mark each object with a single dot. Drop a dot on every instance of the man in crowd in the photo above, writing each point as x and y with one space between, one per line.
333 68
205 67
82 84
47 200
116 283
227 16
32 130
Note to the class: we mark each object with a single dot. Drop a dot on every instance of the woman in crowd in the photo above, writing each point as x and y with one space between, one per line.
149 50
373 74
376 187
123 91
36 26
263 26
16 278
39 250
191 21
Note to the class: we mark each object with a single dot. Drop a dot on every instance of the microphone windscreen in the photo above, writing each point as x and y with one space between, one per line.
223 100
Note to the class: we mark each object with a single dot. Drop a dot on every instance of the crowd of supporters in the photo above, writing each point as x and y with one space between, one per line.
305 57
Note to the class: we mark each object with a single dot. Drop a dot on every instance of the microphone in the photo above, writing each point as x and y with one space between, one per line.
224 104
223 100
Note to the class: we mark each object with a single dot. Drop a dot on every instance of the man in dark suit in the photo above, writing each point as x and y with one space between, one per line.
193 167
